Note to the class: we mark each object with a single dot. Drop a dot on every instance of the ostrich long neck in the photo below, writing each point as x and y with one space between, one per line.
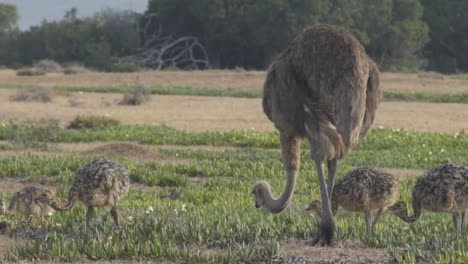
277 205
290 151
54 204
72 196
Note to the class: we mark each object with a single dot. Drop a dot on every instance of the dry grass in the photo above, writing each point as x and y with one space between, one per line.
228 80
139 95
38 94
82 122
30 72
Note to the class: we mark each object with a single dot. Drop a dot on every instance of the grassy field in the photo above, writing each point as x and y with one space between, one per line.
461 97
191 200
213 219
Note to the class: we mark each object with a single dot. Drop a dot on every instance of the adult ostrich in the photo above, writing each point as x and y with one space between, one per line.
324 88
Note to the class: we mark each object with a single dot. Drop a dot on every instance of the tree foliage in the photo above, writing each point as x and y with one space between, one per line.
94 41
237 32
250 33
448 24
8 18
398 34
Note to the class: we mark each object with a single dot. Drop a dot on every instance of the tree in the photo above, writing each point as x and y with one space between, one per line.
8 18
237 32
448 23
392 31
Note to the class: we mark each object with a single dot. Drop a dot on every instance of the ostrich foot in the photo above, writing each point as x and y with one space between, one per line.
325 237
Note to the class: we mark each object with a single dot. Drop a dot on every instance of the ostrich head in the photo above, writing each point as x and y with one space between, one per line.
315 208
260 190
46 197
399 209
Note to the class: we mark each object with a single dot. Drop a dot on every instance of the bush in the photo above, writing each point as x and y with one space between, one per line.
30 72
36 135
39 94
75 69
138 96
48 66
82 122
125 67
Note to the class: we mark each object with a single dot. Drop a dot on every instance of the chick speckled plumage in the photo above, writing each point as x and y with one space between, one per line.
362 190
101 183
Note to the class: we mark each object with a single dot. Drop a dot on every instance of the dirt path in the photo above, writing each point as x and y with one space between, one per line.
198 113
228 80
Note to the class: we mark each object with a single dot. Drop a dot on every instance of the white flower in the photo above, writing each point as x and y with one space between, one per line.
442 150
49 214
149 210
456 135
430 152
183 208
130 218
58 225
175 211
423 145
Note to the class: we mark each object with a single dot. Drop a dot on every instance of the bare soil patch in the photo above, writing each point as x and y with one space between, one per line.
228 80
11 185
199 113
6 243
127 150
344 252
404 174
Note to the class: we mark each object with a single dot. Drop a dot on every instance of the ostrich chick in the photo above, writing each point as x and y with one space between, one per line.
362 190
33 201
443 189
101 183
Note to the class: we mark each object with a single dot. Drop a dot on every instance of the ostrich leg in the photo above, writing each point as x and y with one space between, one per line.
332 164
327 224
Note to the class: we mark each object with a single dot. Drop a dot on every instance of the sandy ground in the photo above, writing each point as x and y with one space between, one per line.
218 79
199 113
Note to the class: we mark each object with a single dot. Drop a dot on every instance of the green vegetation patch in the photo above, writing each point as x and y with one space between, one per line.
183 221
170 216
82 122
461 98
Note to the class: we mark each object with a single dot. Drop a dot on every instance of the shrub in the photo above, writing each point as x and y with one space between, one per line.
125 67
75 69
39 94
30 72
48 66
140 94
75 102
36 135
81 122
68 71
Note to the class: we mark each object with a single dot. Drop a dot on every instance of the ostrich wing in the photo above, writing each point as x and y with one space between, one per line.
350 102
372 97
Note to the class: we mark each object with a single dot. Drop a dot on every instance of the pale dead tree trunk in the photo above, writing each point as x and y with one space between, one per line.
159 51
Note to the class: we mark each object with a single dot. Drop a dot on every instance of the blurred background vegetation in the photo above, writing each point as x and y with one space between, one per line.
401 35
